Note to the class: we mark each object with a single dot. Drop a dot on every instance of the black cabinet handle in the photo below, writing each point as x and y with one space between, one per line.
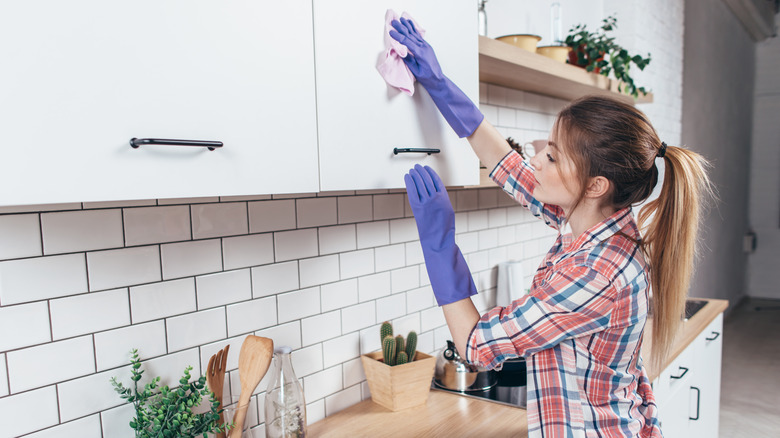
428 151
715 336
136 142
698 400
685 371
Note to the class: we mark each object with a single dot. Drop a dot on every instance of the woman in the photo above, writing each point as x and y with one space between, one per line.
581 326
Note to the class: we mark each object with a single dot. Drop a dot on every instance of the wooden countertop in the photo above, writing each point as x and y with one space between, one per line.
447 414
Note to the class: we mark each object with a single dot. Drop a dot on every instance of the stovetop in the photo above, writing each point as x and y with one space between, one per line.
514 396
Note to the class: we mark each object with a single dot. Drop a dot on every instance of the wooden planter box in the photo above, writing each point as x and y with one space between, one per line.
401 386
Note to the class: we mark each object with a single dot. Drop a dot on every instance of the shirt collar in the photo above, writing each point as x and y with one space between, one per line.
605 229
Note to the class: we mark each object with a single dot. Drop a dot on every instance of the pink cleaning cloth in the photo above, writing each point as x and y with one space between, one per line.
392 67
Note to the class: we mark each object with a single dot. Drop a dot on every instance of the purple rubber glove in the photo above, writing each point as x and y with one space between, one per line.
458 110
450 276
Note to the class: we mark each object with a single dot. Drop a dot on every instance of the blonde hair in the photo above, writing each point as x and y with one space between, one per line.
609 138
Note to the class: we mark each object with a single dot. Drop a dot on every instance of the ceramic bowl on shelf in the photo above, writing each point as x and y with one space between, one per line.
558 53
524 41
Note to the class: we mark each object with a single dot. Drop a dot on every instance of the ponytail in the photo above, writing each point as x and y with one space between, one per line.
670 228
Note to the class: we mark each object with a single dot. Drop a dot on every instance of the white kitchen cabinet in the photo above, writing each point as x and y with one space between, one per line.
361 119
80 78
688 391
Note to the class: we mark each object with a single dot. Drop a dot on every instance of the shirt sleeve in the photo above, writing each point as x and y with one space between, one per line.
573 302
516 177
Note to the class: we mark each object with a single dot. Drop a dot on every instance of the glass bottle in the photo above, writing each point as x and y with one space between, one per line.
482 18
285 407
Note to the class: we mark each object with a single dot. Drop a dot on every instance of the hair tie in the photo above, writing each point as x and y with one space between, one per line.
662 151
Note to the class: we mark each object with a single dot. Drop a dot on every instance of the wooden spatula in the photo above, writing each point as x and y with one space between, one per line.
253 362
215 379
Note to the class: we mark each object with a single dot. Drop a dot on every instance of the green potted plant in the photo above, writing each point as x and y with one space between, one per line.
399 376
166 412
599 53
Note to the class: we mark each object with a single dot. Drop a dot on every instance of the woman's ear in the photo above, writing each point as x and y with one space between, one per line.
597 187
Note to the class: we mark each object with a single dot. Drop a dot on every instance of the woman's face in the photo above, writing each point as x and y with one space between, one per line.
555 176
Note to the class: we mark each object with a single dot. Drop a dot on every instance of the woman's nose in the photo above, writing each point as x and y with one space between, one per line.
534 161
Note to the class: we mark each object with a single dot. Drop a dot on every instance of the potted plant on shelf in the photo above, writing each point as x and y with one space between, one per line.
599 53
399 376
168 412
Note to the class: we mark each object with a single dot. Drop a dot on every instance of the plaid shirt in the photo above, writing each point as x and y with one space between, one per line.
580 327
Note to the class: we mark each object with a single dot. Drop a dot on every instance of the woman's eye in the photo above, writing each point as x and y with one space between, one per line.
550 158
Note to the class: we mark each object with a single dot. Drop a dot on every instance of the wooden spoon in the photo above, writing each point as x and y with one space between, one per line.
215 379
253 362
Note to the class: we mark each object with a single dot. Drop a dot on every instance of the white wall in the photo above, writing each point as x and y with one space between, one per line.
765 172
717 119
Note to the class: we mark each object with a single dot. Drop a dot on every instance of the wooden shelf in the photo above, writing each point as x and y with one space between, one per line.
509 66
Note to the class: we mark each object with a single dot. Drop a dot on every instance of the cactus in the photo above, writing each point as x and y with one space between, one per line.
385 331
388 350
402 358
411 345
399 345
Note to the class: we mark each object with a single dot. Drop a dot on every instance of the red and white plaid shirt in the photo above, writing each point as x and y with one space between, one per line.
580 327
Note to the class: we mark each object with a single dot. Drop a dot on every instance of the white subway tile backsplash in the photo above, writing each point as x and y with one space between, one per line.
123 267
87 427
195 329
218 220
404 279
356 263
251 315
342 400
115 422
91 394
84 230
322 384
491 113
431 319
337 239
468 242
506 117
478 220
497 217
307 360
16 411
284 334
341 349
315 411
319 270
298 304
419 299
4 391
403 230
358 317
161 300
89 313
23 326
355 209
191 258
372 234
390 257
292 245
246 251
390 307
150 225
389 206
112 348
223 288
316 212
488 238
20 236
21 280
414 254
321 327
339 294
272 279
353 372
371 287
265 216
50 363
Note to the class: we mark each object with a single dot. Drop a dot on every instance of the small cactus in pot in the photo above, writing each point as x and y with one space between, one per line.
397 350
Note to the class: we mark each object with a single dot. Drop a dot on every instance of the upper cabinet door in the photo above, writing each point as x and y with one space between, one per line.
361 119
80 78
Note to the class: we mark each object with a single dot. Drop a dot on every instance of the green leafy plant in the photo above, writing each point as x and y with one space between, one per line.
599 53
166 412
395 349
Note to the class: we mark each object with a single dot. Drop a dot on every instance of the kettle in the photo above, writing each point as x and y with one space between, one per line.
454 373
